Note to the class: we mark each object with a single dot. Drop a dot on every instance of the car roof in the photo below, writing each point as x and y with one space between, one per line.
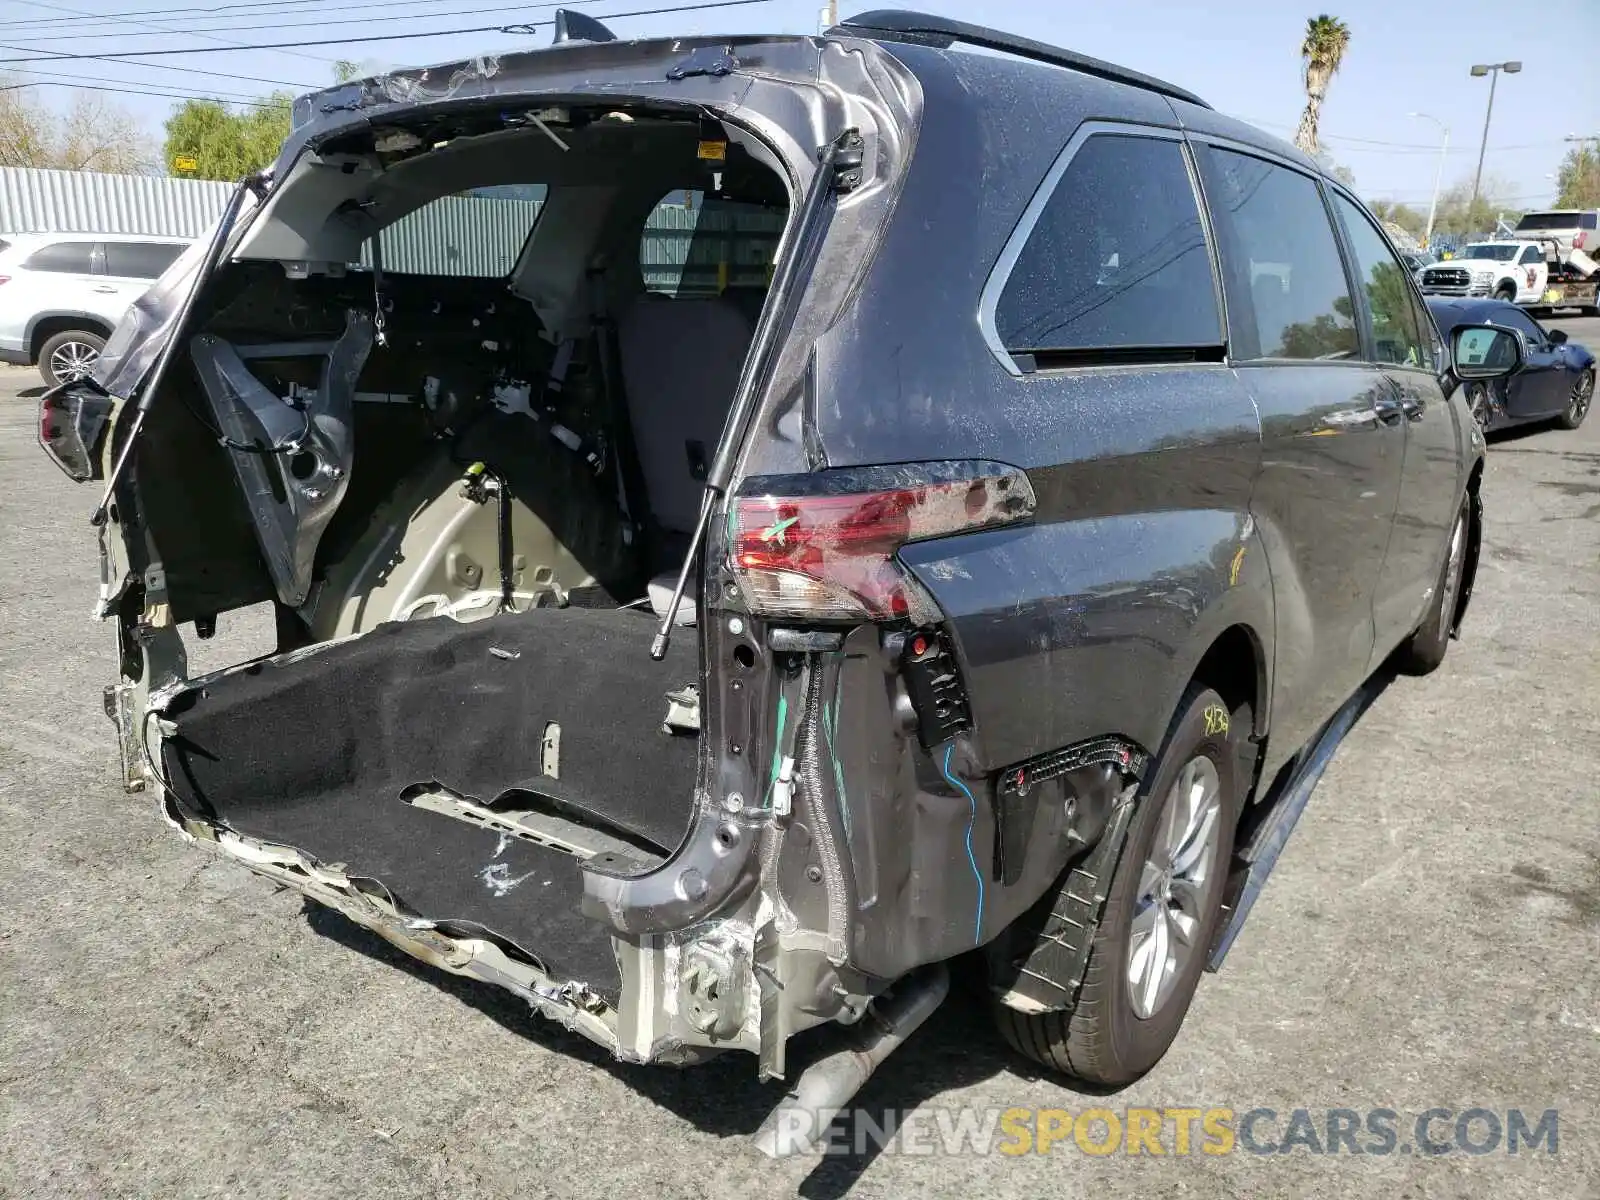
1451 311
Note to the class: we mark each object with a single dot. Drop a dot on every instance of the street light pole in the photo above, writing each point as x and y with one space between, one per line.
1492 70
1438 175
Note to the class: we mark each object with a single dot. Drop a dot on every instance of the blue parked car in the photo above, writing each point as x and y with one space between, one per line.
1555 382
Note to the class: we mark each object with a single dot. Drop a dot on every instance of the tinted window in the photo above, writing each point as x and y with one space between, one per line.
1531 255
71 257
695 245
1515 318
140 260
1588 220
478 233
1399 332
1284 260
1117 259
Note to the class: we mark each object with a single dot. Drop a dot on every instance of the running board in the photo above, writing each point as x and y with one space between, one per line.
1284 811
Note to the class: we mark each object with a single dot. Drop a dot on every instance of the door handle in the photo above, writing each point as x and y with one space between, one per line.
1413 407
1388 408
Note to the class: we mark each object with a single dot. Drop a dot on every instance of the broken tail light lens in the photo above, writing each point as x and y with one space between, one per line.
832 556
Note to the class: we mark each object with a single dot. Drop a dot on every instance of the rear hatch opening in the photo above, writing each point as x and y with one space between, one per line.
449 409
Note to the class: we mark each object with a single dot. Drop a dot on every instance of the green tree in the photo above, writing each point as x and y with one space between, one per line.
1392 212
1578 178
226 143
1327 38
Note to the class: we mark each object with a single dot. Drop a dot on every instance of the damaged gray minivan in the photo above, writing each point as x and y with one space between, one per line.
710 646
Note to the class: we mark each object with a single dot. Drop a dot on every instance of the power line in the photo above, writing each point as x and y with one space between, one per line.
54 56
516 8
203 34
73 25
174 13
166 95
390 37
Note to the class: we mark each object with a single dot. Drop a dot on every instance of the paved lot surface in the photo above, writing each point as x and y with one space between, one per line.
170 1025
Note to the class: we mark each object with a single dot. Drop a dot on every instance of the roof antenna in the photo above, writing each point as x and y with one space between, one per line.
575 27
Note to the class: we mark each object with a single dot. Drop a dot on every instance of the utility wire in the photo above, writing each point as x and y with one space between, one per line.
187 12
53 56
101 87
467 12
204 33
519 27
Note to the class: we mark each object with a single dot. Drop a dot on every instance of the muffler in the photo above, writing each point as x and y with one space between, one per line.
801 1120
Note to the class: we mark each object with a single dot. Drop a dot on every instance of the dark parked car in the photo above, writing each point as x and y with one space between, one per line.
1555 381
1037 512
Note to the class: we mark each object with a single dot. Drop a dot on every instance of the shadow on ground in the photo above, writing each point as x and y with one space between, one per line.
957 1048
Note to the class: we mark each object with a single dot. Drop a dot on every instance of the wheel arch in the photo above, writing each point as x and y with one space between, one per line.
47 325
1474 543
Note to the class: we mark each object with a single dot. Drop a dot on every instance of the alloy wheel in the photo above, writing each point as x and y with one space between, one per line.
72 360
1582 395
1478 403
1174 887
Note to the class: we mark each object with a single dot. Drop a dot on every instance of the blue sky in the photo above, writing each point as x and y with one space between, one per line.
1241 55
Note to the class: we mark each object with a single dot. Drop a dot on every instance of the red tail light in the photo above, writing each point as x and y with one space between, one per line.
1577 242
831 557
5 279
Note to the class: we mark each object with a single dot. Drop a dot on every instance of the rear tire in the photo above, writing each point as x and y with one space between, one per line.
70 354
1505 292
1426 649
1578 404
1169 883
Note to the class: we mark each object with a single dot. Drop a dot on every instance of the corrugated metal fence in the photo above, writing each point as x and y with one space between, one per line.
684 248
34 201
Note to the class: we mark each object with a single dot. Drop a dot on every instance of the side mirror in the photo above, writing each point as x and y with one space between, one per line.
1485 351
1556 337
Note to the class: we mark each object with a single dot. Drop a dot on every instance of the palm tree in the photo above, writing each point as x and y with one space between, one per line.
1327 38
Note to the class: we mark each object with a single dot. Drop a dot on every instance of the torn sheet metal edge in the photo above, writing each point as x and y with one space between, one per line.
569 1003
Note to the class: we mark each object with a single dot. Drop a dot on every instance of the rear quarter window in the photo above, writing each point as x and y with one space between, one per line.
1116 261
73 258
140 260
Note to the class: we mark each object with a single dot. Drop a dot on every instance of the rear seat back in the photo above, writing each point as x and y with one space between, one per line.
680 364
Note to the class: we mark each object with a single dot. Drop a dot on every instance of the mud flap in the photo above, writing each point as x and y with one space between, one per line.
1049 974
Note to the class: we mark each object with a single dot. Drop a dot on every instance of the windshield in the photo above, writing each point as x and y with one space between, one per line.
1497 253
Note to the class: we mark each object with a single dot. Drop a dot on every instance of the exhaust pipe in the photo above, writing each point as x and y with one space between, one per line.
801 1120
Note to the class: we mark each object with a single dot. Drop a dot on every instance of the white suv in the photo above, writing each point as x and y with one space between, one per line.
61 294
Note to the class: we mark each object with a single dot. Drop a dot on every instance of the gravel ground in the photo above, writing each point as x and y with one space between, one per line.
171 1025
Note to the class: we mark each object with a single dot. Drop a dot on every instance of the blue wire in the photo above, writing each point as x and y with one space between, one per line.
972 819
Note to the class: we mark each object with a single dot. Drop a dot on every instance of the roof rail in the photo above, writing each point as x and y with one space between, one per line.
901 25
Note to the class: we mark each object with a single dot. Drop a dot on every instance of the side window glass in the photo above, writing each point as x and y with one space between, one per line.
1517 319
1397 336
699 245
1588 220
1531 256
1117 259
72 258
476 234
140 260
1288 264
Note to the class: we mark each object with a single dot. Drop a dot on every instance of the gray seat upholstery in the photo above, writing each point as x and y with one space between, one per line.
680 366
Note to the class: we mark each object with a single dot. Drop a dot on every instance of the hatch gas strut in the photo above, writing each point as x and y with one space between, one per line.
838 171
208 264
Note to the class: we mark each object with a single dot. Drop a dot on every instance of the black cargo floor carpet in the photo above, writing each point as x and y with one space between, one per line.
316 754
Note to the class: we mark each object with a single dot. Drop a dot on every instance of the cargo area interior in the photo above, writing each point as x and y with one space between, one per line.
533 323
